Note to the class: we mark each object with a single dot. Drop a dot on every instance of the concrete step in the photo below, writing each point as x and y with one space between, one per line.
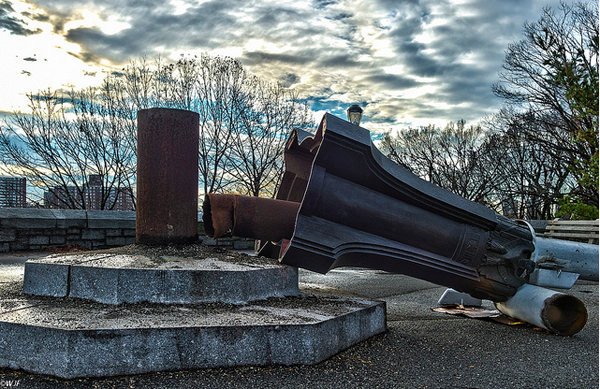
71 338
113 278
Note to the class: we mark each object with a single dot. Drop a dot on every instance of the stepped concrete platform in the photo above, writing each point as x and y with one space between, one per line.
56 334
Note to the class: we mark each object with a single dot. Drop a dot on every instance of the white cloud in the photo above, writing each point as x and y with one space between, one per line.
406 62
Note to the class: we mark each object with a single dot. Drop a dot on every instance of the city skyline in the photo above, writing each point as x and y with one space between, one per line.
406 63
91 195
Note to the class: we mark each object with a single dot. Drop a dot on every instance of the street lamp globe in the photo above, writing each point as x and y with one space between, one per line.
354 113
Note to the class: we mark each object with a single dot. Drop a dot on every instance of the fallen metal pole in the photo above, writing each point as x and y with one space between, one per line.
268 219
567 256
545 308
343 203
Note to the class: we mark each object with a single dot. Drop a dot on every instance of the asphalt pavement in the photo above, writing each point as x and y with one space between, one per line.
420 349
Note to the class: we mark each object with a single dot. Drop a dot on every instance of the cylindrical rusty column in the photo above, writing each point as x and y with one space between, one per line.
167 176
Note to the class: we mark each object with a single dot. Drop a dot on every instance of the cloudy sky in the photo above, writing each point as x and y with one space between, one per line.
406 62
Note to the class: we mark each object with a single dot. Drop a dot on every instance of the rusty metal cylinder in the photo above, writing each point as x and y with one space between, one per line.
167 176
249 217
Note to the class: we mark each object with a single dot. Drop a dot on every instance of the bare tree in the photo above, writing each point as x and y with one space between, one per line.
267 114
533 179
66 138
220 88
552 75
69 136
455 158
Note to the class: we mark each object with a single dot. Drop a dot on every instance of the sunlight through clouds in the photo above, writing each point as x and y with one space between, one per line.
90 19
404 62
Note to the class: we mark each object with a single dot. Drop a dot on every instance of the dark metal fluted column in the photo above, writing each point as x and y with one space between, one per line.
167 176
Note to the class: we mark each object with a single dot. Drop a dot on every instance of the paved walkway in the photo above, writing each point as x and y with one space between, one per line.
421 349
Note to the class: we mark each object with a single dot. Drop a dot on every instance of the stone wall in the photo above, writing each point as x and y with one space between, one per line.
37 229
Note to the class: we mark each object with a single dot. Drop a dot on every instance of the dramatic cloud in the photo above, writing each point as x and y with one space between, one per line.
13 24
406 62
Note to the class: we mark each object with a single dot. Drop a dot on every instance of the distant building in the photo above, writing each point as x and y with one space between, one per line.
13 192
123 201
93 193
60 197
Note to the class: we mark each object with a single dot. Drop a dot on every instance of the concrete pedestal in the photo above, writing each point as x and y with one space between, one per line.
96 315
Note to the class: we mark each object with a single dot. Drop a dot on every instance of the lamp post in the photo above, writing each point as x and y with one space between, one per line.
354 113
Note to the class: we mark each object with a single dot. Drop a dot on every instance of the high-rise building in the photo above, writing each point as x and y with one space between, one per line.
61 197
13 192
93 195
93 192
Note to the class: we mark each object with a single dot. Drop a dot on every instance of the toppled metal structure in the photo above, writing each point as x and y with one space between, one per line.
341 202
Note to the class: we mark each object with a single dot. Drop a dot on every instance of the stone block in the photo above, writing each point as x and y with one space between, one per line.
111 219
39 240
86 284
69 218
56 240
26 218
8 235
55 231
92 340
33 231
129 232
209 241
93 234
116 279
243 244
46 279
114 232
22 243
113 241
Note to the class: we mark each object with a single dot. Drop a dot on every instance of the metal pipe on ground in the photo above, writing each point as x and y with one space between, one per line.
554 311
568 256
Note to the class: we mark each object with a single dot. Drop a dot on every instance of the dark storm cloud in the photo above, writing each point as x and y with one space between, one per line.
261 57
320 4
86 56
391 81
12 23
153 24
289 79
37 17
339 61
98 45
461 56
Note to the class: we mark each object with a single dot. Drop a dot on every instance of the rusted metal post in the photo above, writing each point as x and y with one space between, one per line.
167 176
